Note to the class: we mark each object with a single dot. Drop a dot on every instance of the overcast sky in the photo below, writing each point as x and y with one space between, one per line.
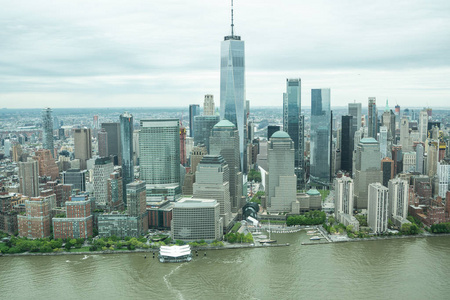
100 53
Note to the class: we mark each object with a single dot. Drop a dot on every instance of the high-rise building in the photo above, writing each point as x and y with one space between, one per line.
78 222
136 204
47 164
202 129
354 110
195 219
320 158
194 110
102 170
159 150
373 117
293 123
126 133
271 129
224 141
343 196
83 145
47 126
76 178
383 141
114 145
423 125
29 178
95 122
281 182
432 158
211 182
208 105
35 223
377 217
405 139
388 120
232 84
183 158
102 143
443 173
398 201
387 168
409 161
367 169
419 158
347 143
114 199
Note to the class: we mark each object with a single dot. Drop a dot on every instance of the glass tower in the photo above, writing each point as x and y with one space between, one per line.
126 133
232 83
47 124
293 122
373 117
320 136
194 110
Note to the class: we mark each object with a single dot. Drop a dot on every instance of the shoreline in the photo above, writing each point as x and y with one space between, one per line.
240 246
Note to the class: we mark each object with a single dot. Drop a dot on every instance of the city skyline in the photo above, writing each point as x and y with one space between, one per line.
396 51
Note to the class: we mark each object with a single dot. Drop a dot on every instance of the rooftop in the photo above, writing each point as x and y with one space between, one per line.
224 123
313 192
368 141
280 134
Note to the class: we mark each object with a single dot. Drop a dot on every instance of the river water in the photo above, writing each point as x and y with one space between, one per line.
390 269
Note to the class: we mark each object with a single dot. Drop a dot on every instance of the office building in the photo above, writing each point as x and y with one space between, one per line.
388 120
195 219
387 169
136 204
102 140
343 202
419 158
47 130
114 138
367 169
224 141
423 125
405 138
103 168
398 201
281 182
119 225
47 164
383 139
377 217
208 106
211 182
76 178
159 150
29 178
409 161
372 117
354 110
202 129
35 224
347 143
194 110
232 84
293 123
443 173
78 222
114 193
271 129
320 158
432 158
83 145
126 134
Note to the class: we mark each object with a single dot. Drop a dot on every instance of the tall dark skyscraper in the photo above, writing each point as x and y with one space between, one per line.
373 117
320 136
271 129
347 143
47 124
293 123
126 133
354 110
194 110
232 83
113 130
202 129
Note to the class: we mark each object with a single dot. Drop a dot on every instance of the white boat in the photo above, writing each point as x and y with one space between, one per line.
314 238
175 253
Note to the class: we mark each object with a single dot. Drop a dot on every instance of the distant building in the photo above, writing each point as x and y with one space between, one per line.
114 192
347 143
387 168
271 129
76 178
373 118
398 201
102 169
194 110
126 133
196 219
208 105
202 129
443 173
47 126
354 110
136 204
102 138
47 164
343 196
409 161
28 178
35 224
423 125
78 222
117 224
114 141
377 217
83 145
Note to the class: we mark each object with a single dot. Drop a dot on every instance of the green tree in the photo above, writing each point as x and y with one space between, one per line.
349 228
67 246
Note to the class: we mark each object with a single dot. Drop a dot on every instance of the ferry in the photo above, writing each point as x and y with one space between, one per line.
175 253
315 238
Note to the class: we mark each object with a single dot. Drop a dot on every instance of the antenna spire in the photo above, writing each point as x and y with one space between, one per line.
232 23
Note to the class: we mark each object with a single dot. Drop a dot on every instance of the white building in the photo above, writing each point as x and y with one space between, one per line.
409 161
377 217
398 201
423 125
343 195
102 170
443 172
383 139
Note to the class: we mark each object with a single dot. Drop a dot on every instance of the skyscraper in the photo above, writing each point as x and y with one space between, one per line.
224 141
373 117
136 204
47 124
320 169
377 216
83 145
423 125
202 129
194 110
232 83
126 133
102 170
293 122
113 130
159 149
281 182
398 200
28 178
208 105
343 196
102 143
383 141
354 110
347 143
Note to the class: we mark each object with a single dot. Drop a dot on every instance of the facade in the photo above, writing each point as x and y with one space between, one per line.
83 145
47 164
419 158
354 110
102 138
367 169
160 161
202 129
78 222
398 201
388 120
373 117
405 139
29 178
383 139
208 106
117 224
212 183
224 141
387 168
102 169
35 224
432 158
194 110
75 177
377 217
126 133
443 173
136 204
232 84
114 138
281 181
423 125
347 143
409 161
293 122
343 196
271 129
47 130
115 193
196 219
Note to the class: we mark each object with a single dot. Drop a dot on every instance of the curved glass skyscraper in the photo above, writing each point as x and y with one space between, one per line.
126 132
